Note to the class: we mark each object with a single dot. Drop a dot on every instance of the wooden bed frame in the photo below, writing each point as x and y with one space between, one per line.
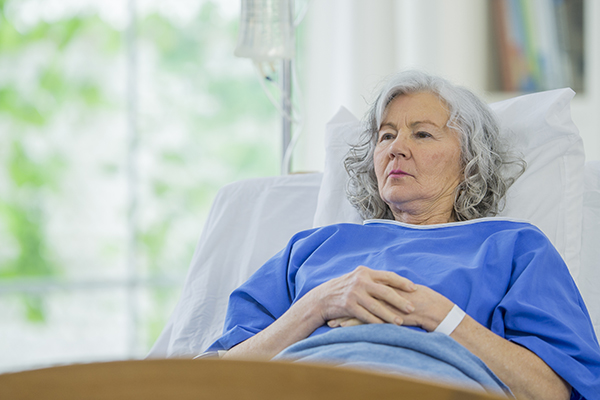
219 379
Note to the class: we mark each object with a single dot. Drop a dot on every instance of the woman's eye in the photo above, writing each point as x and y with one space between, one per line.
386 136
423 135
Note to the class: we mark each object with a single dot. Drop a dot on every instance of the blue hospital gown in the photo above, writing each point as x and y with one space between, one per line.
505 274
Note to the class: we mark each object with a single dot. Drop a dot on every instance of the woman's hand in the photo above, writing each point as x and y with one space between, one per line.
366 295
369 296
430 308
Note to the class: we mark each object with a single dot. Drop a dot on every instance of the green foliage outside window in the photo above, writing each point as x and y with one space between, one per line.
202 121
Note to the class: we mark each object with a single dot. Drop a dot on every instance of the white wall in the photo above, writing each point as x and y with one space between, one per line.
353 44
586 107
447 38
350 47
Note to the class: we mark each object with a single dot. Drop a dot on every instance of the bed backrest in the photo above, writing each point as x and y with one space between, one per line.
250 221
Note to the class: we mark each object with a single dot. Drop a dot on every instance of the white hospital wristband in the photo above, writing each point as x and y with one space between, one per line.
449 324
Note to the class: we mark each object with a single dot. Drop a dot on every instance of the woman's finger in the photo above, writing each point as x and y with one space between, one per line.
392 297
365 294
379 285
394 280
344 322
365 315
337 322
382 310
351 322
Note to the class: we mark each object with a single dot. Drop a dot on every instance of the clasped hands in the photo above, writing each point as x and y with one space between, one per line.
367 296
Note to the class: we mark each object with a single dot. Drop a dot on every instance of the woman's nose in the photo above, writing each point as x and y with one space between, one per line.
399 148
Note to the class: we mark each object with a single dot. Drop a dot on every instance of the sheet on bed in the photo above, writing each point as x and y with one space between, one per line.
401 350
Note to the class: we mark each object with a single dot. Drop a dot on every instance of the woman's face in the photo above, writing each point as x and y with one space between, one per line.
418 159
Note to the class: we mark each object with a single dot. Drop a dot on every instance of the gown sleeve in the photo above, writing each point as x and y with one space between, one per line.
264 297
544 312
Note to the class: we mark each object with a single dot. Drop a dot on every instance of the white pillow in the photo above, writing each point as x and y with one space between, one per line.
549 193
333 207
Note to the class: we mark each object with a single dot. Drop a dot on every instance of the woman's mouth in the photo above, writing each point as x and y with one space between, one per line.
398 172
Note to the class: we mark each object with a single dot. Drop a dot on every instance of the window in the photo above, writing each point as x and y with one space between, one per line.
119 121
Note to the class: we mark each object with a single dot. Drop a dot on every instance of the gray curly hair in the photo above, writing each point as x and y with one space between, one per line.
484 155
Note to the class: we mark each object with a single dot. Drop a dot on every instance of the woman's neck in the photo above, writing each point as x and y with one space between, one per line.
425 217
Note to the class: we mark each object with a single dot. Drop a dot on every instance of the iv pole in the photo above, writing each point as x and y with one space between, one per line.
266 35
286 106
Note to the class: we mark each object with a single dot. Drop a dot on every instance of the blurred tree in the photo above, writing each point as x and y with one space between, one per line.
202 119
30 100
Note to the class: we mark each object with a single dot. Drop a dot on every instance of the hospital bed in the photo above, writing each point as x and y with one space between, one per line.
253 219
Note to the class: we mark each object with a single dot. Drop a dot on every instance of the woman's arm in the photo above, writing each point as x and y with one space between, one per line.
294 325
368 295
527 375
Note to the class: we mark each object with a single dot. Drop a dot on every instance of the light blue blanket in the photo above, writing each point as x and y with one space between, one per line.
401 350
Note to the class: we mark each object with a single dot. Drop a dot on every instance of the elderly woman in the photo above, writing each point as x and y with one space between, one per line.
427 177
